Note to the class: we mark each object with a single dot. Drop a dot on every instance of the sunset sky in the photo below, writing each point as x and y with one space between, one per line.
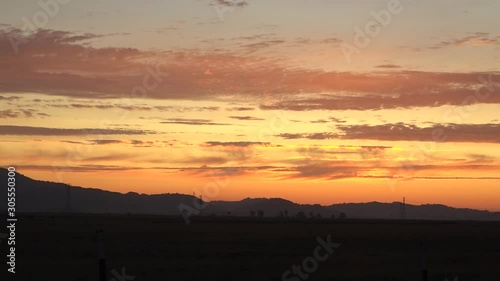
311 101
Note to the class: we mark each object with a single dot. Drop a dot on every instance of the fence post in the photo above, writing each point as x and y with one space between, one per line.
100 255
424 264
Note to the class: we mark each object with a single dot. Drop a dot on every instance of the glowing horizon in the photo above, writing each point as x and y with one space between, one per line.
315 105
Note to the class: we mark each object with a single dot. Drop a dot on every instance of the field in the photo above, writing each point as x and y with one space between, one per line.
54 247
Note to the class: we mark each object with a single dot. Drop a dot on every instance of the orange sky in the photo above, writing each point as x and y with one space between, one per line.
164 97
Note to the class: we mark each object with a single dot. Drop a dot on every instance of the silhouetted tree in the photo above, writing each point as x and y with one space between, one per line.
281 214
311 215
286 213
301 215
261 213
343 215
333 216
319 216
252 213
228 213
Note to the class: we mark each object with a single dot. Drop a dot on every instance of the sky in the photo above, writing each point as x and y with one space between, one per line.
317 102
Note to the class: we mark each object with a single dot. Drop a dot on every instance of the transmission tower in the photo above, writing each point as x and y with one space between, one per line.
403 209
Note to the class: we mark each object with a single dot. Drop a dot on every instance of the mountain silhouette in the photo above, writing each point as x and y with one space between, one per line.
34 196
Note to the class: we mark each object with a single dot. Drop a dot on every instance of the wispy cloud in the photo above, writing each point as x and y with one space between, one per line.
480 133
21 113
476 39
185 121
236 143
246 118
232 3
11 98
241 108
44 131
387 66
113 72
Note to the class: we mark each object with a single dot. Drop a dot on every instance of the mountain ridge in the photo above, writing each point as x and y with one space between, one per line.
35 196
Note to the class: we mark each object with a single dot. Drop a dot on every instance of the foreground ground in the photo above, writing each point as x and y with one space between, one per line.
51 247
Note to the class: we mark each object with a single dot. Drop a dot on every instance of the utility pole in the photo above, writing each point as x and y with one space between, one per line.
404 208
100 255
425 274
68 199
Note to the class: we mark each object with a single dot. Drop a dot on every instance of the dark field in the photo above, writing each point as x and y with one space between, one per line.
160 248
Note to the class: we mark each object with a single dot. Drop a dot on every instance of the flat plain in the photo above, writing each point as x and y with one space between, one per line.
63 247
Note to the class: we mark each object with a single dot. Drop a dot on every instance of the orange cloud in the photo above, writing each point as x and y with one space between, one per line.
61 63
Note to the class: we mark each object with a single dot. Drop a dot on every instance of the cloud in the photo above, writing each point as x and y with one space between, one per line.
340 169
261 36
4 114
101 142
185 121
63 63
248 118
236 151
135 143
174 108
309 41
323 171
236 143
267 40
127 107
232 3
319 121
387 66
203 170
139 143
75 168
479 133
476 39
204 160
331 119
322 152
241 108
398 90
332 40
456 178
311 136
44 131
21 113
481 158
11 98
328 171
337 120
253 47
211 172
166 30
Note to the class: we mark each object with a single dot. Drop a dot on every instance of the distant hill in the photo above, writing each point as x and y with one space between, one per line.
33 196
373 210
